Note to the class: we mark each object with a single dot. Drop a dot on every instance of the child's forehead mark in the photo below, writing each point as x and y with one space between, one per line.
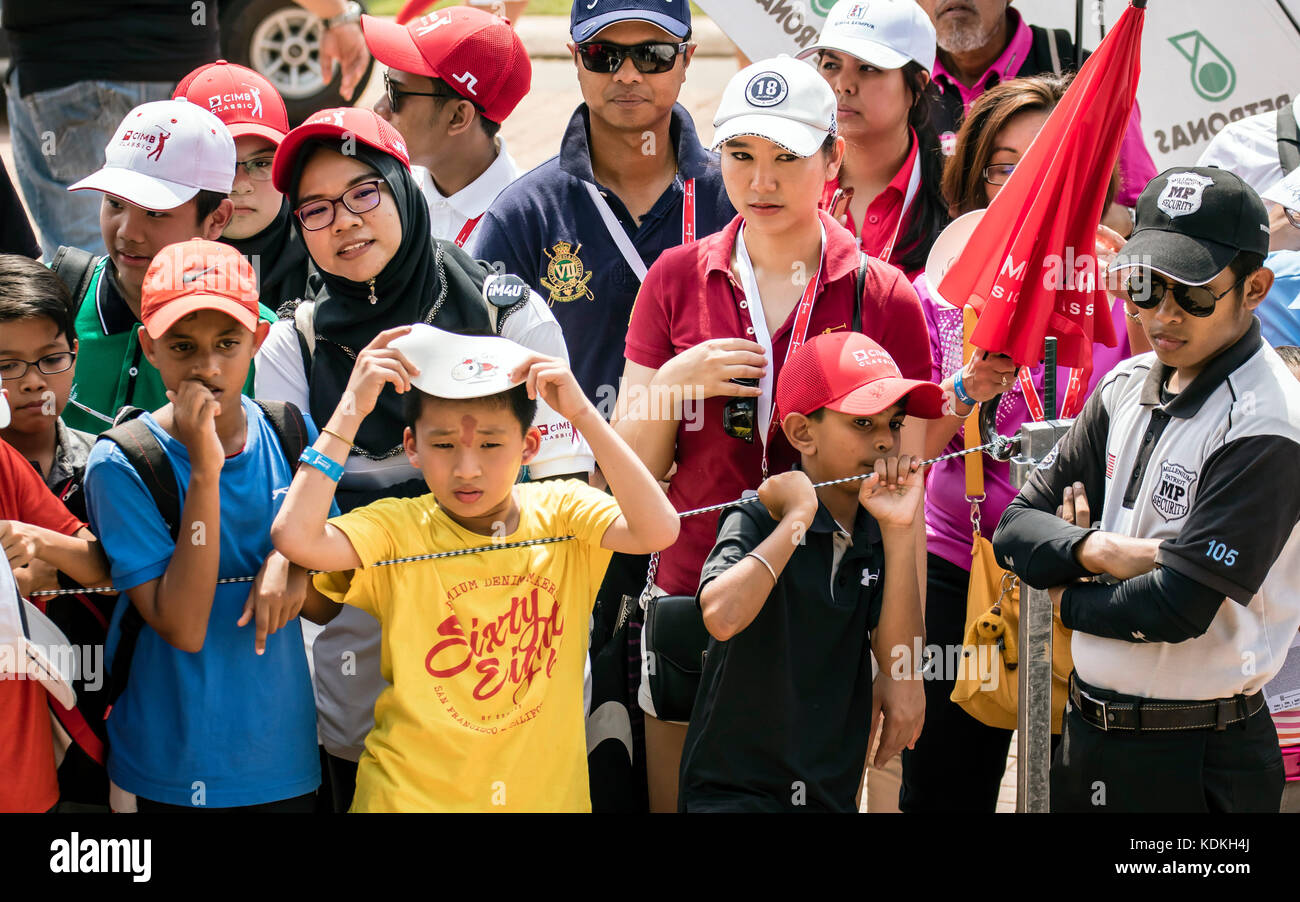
467 426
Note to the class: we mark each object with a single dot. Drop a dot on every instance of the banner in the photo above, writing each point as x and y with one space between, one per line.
1205 63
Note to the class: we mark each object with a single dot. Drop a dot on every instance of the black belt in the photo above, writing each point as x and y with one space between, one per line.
1140 715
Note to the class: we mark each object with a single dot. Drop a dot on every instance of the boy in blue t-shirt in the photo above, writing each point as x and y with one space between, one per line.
217 710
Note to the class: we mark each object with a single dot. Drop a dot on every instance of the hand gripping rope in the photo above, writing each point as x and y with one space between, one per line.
1000 448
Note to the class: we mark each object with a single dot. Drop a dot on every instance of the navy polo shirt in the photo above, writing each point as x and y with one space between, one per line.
546 228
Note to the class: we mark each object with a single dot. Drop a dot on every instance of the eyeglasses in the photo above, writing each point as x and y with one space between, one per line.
317 214
1147 291
998 173
258 168
395 94
740 414
649 58
51 364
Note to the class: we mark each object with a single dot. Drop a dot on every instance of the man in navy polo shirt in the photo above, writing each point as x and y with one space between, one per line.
630 181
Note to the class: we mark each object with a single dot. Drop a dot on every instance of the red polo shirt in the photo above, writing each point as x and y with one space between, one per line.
28 783
883 213
691 295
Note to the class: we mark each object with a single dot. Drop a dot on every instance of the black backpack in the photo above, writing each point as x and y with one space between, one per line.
1288 139
145 453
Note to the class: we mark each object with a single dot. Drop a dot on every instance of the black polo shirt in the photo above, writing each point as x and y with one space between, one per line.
781 719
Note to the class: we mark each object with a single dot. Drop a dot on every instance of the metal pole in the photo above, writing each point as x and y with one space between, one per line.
1049 379
1034 670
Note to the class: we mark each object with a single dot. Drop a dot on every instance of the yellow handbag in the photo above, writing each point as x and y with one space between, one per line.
987 680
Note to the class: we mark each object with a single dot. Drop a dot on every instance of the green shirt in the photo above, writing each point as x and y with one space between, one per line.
112 371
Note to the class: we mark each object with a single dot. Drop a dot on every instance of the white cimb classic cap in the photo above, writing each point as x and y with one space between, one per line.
780 99
164 153
888 34
460 366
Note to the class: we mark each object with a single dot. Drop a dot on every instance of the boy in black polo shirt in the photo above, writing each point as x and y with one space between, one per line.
785 710
1183 457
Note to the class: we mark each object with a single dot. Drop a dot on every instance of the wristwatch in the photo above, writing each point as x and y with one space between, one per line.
351 15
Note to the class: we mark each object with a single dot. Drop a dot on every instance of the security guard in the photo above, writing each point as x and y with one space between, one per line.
1180 453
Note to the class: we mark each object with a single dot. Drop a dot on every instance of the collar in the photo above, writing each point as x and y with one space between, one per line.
115 316
1188 402
840 250
693 161
71 449
1003 68
898 184
474 199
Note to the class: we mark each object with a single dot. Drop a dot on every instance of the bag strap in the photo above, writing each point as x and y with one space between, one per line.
863 261
1288 138
72 720
75 267
971 430
616 232
289 427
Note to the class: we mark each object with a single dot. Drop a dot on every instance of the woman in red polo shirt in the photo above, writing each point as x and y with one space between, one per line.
877 57
732 306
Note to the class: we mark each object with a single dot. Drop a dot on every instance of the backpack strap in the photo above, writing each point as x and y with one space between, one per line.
75 267
861 283
1288 138
289 426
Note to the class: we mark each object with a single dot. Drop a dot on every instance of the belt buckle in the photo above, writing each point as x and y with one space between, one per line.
1105 715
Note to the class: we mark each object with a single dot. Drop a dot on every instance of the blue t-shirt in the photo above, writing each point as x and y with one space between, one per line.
546 228
1279 321
223 727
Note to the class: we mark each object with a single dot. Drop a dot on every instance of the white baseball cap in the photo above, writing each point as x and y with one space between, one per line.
163 154
780 99
460 366
1285 193
885 33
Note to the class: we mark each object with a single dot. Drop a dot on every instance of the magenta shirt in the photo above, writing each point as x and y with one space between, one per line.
947 513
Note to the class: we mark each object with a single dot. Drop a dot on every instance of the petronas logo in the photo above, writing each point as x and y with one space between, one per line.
822 7
1212 75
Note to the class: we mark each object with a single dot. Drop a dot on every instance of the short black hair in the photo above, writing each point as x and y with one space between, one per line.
1245 263
29 290
205 202
516 399
489 127
1290 355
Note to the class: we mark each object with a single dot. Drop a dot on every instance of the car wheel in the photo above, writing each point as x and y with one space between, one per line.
281 40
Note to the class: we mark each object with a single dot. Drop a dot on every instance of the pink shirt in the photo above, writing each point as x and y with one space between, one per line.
947 513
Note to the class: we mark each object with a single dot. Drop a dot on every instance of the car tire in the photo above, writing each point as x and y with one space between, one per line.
281 40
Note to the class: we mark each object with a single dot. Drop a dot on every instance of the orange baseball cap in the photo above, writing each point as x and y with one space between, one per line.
198 275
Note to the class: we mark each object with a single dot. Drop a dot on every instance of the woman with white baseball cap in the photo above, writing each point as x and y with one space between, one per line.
716 319
877 57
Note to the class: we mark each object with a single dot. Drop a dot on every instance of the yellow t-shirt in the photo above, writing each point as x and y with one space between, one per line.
484 652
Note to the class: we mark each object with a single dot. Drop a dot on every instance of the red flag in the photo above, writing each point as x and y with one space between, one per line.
411 9
1029 269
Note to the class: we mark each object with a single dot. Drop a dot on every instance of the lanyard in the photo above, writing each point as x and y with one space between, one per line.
913 186
1073 393
463 235
619 234
753 308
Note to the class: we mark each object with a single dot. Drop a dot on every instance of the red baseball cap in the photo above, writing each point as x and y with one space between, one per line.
477 54
344 123
239 97
197 275
850 373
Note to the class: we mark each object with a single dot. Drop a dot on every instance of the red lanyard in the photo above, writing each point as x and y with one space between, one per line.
1072 402
466 229
688 211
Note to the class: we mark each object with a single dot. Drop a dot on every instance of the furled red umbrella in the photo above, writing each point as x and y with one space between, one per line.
1029 269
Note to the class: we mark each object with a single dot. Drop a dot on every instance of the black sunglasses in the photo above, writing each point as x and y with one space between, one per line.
395 94
740 415
649 58
1147 291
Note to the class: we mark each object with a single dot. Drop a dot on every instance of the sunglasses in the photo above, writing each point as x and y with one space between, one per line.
649 58
1147 291
740 415
395 94
317 214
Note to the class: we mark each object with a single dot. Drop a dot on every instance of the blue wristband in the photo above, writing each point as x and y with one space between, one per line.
331 468
960 392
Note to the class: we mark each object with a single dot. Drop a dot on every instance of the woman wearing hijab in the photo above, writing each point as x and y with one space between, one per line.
365 224
877 57
262 226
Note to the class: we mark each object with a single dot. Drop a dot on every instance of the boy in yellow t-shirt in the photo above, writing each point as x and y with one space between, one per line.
484 652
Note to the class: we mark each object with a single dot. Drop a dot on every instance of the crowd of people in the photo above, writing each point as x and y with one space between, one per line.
428 484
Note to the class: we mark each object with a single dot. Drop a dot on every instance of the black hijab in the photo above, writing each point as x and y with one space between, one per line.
282 260
425 281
